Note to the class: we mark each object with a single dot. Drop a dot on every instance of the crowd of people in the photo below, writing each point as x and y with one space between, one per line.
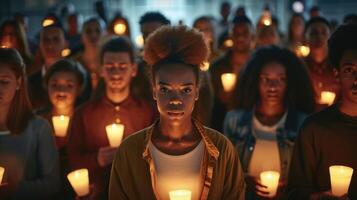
205 107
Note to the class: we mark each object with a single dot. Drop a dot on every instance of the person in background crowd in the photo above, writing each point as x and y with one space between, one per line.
27 148
74 38
315 11
92 32
177 151
242 34
329 137
317 32
223 24
13 35
267 35
273 96
88 145
64 82
295 35
350 19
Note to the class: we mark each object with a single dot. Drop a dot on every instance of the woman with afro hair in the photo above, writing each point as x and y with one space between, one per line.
176 152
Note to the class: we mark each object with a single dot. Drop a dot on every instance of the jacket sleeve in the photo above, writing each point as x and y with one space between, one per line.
48 181
234 184
78 157
303 165
116 190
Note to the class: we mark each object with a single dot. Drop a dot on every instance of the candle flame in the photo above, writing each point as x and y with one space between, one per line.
228 43
205 66
119 28
47 22
140 41
65 52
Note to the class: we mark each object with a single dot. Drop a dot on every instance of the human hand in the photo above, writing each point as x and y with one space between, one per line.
106 156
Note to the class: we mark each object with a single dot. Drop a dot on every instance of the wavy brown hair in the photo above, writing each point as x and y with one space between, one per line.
20 111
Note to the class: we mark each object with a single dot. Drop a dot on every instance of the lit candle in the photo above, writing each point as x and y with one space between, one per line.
80 181
115 134
228 81
340 177
65 52
302 50
327 97
119 28
180 195
270 179
140 41
2 170
228 43
60 123
204 66
47 22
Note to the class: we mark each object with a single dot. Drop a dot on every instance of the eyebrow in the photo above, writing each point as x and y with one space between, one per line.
281 74
349 63
185 84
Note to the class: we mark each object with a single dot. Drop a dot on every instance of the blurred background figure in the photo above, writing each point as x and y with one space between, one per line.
295 32
13 35
119 25
315 11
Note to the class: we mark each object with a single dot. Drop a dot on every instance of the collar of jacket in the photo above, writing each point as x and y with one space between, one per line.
209 161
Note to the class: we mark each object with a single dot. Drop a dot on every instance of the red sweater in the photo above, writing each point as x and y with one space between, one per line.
87 133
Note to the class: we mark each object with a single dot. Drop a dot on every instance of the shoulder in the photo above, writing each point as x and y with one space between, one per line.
218 139
321 118
237 117
134 144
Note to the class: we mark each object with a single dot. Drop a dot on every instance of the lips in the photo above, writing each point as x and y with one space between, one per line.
175 114
61 97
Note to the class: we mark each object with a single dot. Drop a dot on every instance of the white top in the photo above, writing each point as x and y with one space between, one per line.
7 132
178 172
265 156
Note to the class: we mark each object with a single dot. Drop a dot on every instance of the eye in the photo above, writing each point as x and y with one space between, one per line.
4 82
164 90
347 70
187 90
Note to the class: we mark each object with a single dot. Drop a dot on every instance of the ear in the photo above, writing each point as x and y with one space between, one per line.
154 92
135 70
19 82
336 74
197 95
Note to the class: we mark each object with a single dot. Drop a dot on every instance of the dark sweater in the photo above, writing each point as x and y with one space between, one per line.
326 138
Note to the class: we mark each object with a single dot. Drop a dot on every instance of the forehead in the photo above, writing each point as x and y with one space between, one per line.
120 57
318 26
349 57
202 24
273 68
91 24
6 71
63 75
52 32
240 27
175 74
150 26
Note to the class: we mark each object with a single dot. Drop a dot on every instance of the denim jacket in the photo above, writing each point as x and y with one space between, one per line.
238 128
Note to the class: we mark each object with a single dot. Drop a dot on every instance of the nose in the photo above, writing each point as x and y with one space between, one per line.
175 99
273 84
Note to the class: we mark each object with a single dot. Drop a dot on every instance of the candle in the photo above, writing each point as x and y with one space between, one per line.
47 22
180 195
302 50
65 52
60 123
119 28
80 181
271 180
115 134
228 81
327 97
340 177
2 170
204 66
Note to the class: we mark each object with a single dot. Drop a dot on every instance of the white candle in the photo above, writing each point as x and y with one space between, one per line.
228 81
327 97
80 181
180 195
2 170
115 134
60 123
271 180
340 177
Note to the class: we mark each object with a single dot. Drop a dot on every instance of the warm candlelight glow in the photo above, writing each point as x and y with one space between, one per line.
79 180
228 81
60 124
271 180
65 52
327 97
2 170
115 134
228 43
180 195
302 50
140 41
47 22
205 66
119 28
267 21
340 177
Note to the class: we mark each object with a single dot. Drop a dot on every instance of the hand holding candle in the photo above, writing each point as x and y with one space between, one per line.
228 81
60 124
270 179
2 170
115 134
80 181
327 97
180 195
340 177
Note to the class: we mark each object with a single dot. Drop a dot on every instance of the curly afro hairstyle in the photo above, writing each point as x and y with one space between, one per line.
175 44
344 38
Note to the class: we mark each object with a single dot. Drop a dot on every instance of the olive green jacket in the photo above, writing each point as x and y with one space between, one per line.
133 172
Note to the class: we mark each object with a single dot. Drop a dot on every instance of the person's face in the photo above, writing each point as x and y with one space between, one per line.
317 35
206 28
272 84
175 91
52 42
91 34
348 76
117 70
242 37
63 89
8 85
267 35
8 38
225 11
149 27
297 26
